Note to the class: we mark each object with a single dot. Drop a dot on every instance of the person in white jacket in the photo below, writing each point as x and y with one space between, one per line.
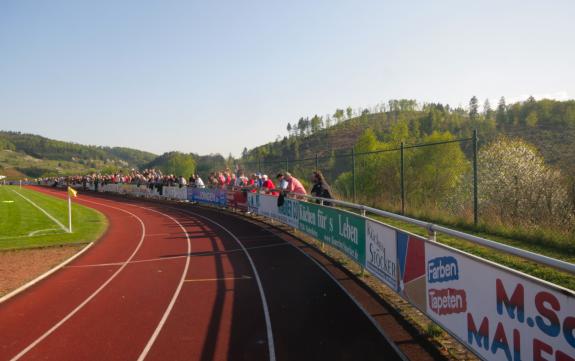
199 182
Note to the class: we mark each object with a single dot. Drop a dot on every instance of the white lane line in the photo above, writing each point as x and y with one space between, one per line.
85 302
359 305
178 289
220 279
199 254
43 211
271 346
176 293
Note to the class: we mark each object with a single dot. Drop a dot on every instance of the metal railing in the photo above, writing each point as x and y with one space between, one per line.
434 228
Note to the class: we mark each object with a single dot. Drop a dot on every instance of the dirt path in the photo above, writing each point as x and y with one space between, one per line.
20 266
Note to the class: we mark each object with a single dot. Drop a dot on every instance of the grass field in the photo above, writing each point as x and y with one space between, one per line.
23 225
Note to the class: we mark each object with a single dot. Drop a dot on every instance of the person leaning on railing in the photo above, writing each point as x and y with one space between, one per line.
320 187
268 186
282 182
294 185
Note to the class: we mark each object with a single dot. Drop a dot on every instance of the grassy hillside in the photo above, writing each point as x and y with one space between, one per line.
547 124
33 156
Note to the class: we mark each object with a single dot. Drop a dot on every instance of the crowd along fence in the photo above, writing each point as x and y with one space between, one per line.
497 312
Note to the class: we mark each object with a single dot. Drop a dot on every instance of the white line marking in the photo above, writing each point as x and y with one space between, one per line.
160 259
220 279
28 236
43 211
271 347
81 305
359 305
33 233
174 297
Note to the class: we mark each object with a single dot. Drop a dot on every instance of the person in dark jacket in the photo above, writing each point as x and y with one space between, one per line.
320 187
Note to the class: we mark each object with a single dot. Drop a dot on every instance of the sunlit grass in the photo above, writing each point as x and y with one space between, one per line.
24 226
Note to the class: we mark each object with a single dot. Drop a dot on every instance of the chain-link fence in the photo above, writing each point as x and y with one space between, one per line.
505 187
432 180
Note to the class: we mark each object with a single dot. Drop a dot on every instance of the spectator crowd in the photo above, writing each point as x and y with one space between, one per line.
155 179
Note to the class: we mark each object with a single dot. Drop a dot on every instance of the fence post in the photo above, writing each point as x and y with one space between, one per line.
316 163
353 171
475 202
402 179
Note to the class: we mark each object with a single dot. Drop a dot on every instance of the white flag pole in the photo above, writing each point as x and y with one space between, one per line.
69 213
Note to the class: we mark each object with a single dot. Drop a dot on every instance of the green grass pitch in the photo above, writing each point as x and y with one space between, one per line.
22 225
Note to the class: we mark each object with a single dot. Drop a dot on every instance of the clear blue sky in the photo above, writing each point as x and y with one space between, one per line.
215 76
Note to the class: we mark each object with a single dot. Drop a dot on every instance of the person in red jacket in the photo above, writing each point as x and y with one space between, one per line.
268 186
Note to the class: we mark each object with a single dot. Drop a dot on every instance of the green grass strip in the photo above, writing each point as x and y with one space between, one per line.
24 226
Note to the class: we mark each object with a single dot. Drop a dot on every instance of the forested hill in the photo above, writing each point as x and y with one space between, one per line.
33 155
547 124
28 155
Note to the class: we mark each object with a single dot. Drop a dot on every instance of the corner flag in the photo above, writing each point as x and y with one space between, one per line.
72 192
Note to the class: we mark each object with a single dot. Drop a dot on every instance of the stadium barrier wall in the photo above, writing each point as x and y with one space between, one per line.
212 197
176 193
497 312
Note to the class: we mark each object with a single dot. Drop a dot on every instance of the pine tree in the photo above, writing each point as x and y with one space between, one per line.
487 108
349 112
501 115
473 108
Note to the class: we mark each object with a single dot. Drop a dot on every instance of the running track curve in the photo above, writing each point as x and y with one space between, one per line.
168 283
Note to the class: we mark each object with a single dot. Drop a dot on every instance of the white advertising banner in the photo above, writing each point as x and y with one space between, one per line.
143 191
381 252
112 188
498 313
267 205
180 193
126 188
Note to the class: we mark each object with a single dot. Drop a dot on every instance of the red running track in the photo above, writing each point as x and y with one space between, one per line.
186 283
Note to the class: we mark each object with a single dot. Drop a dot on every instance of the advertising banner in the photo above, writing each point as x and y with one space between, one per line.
126 188
267 205
253 202
381 253
340 229
498 313
238 199
411 262
212 196
180 193
112 188
143 191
